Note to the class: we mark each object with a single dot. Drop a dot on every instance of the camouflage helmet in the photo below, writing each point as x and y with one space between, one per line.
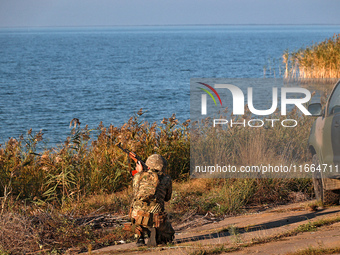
156 162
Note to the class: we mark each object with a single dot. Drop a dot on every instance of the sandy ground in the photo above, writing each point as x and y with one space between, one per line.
248 228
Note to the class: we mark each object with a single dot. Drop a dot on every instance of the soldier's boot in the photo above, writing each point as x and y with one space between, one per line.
165 238
152 238
140 241
165 233
138 230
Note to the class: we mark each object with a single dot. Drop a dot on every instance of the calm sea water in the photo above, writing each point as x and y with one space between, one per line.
50 76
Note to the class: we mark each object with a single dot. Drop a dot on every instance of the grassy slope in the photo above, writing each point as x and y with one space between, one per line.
81 176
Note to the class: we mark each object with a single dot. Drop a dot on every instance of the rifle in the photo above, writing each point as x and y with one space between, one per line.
135 158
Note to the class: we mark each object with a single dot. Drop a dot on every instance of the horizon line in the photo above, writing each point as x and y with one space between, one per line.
168 25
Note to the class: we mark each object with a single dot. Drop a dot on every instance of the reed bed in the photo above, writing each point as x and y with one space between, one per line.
83 167
319 61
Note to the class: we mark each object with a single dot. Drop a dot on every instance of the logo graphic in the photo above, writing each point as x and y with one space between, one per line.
239 99
204 97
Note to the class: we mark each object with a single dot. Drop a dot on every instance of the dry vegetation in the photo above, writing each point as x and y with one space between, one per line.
81 167
44 192
319 61
252 146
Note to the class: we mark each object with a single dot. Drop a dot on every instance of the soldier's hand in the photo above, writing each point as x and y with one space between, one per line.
139 167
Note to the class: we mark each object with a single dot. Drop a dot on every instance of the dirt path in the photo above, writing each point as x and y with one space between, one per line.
326 237
237 232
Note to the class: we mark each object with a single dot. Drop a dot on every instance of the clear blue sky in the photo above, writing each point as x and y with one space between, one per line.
28 13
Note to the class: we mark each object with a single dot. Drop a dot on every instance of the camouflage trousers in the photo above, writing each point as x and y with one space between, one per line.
144 222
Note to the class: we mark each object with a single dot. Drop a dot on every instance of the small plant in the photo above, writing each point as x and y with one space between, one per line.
235 234
308 227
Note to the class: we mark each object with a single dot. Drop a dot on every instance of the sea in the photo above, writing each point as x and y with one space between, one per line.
48 76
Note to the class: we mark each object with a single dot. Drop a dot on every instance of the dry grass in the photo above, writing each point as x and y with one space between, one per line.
50 232
17 236
239 145
233 196
55 230
84 176
316 251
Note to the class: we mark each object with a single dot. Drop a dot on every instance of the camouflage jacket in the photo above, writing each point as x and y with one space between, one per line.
163 193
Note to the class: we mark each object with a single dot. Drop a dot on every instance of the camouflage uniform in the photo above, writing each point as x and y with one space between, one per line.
155 206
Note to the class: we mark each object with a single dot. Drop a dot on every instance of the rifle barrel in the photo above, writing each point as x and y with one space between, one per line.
135 157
